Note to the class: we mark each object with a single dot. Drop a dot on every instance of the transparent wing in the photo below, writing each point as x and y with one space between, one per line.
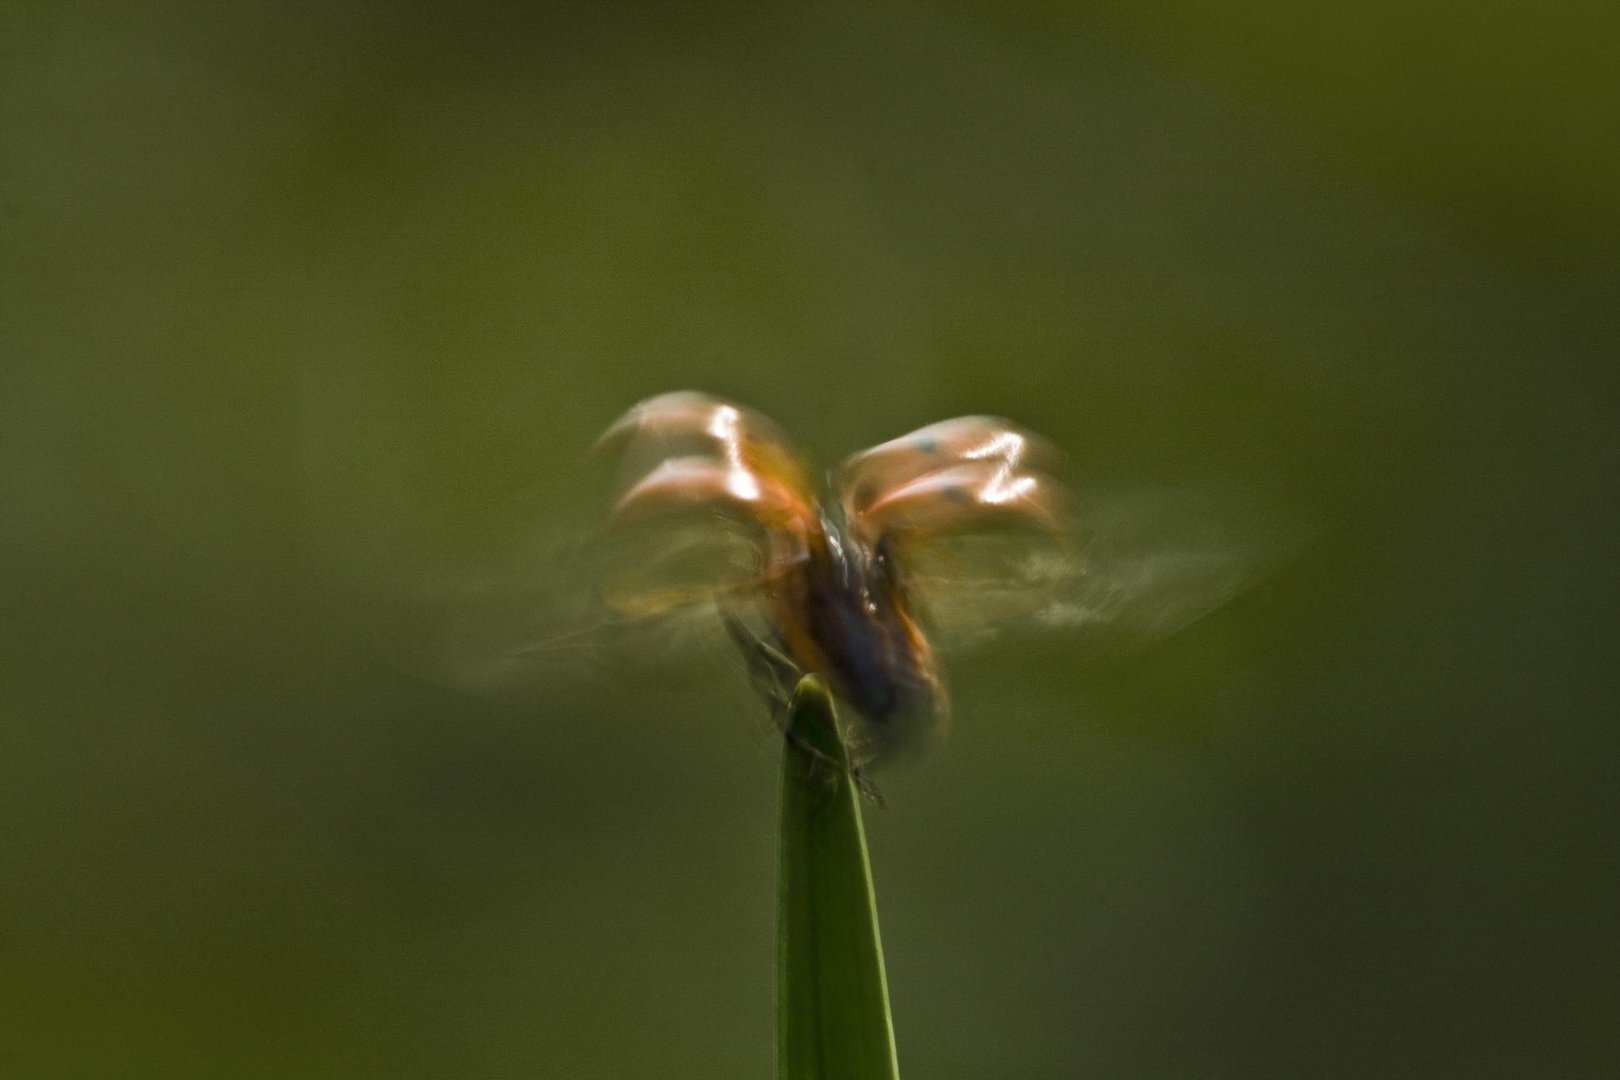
701 485
1140 567
591 610
969 587
980 530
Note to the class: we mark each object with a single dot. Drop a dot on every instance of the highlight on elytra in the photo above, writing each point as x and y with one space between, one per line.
851 584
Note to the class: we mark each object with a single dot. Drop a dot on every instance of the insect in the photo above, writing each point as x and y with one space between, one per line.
937 540
836 585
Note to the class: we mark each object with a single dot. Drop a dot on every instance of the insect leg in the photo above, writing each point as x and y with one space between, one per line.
775 675
859 758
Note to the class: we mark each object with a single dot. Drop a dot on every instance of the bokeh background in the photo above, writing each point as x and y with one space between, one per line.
309 312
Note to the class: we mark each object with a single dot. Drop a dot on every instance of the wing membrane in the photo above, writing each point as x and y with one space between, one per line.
1142 568
968 507
593 609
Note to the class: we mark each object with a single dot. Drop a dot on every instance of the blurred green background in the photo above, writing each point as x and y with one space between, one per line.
309 311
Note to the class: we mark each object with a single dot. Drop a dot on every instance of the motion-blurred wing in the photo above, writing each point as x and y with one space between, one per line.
1142 568
593 609
684 452
981 531
702 485
952 475
710 489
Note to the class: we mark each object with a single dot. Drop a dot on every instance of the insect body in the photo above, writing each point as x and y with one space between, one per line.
836 583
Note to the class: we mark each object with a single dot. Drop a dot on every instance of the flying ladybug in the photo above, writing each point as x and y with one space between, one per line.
955 534
847 582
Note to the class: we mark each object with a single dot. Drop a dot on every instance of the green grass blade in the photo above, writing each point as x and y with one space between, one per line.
832 999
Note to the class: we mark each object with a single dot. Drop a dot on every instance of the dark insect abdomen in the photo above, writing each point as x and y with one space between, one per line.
840 619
